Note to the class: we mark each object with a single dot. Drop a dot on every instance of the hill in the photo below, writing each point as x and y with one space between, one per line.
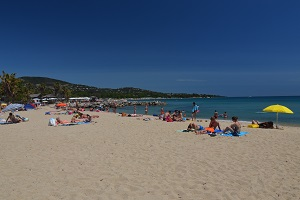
125 92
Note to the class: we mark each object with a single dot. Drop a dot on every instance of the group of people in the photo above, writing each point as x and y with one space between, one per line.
77 117
169 116
234 128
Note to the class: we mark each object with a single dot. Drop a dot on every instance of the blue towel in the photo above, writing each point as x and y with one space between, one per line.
77 123
230 134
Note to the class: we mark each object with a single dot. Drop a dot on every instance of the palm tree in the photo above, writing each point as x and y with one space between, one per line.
57 88
10 85
42 88
66 92
25 91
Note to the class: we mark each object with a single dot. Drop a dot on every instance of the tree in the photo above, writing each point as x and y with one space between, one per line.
42 89
25 91
10 85
66 92
57 88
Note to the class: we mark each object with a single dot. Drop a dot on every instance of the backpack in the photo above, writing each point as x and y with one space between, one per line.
52 122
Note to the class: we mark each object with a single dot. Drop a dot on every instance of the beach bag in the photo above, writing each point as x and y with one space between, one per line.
52 122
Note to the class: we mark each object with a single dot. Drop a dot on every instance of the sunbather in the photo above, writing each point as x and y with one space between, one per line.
263 124
234 128
11 118
59 121
85 116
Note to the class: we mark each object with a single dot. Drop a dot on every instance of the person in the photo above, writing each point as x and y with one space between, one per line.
162 111
177 116
211 127
263 124
234 128
59 121
134 109
146 109
216 114
114 107
11 118
167 116
88 119
214 123
76 105
197 129
193 127
80 115
225 115
194 111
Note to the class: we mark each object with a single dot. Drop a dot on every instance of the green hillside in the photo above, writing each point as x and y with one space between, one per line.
126 92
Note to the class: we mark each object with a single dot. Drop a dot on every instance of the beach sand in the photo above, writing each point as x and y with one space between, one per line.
129 158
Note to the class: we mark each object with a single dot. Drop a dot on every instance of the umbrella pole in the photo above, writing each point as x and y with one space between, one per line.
276 120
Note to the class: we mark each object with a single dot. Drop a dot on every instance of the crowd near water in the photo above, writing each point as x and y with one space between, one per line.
246 108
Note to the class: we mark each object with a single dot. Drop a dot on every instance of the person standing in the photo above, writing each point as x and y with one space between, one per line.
225 115
162 111
146 109
216 114
134 109
115 107
194 111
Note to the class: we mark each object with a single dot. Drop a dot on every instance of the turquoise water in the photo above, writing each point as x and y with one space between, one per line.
246 108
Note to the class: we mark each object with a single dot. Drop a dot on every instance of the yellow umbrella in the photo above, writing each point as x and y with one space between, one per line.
278 109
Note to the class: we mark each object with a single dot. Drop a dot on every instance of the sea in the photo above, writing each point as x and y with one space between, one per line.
245 108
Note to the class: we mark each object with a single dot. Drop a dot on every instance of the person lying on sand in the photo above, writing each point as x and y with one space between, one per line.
197 129
59 121
87 119
193 127
263 124
85 116
210 129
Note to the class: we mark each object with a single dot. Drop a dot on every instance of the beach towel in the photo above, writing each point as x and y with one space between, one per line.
185 130
5 123
230 134
77 123
24 119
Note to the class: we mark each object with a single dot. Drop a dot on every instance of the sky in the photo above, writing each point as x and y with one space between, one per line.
223 47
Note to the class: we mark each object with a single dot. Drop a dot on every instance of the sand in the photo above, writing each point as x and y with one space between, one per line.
129 158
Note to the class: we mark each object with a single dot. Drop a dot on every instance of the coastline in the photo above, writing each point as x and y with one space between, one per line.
129 158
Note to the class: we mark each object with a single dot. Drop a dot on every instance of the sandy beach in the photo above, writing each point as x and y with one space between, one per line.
129 158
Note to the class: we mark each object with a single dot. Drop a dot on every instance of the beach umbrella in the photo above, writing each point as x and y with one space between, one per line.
12 107
278 109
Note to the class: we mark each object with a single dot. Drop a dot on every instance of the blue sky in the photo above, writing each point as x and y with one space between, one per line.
231 48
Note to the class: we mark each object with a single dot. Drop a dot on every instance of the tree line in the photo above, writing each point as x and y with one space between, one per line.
13 89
